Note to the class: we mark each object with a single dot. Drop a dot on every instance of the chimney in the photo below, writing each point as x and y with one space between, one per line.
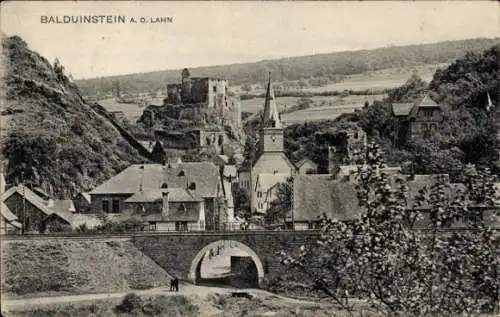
50 203
164 211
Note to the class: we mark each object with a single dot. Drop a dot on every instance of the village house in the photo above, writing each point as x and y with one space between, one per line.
33 212
265 187
306 166
9 223
416 121
170 196
315 195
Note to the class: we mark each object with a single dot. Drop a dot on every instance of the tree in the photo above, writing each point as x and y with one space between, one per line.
241 199
381 257
158 153
281 206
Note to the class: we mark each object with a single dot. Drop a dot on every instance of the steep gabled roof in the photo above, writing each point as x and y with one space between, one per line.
304 161
411 108
86 196
6 213
151 177
427 102
30 196
315 195
56 210
269 160
402 109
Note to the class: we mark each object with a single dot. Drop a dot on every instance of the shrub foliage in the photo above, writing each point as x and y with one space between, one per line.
381 256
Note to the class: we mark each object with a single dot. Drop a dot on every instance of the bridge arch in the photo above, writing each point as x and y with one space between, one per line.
199 257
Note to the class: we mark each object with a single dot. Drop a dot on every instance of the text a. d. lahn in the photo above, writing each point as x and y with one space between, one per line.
103 19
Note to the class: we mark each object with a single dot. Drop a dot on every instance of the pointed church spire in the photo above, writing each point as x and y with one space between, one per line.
271 117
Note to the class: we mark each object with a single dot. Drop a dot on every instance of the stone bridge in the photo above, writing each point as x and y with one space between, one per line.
181 254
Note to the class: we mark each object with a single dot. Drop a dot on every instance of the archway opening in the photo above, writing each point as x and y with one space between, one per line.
227 263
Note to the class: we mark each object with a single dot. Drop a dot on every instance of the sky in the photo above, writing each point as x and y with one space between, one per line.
215 33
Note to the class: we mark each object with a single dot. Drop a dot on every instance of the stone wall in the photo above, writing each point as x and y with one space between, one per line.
175 252
244 272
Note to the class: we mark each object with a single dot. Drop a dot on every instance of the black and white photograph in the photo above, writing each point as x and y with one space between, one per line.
250 158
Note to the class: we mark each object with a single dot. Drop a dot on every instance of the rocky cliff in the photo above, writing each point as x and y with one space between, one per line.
50 137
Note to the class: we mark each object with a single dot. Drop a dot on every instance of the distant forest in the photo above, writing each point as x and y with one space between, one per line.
327 67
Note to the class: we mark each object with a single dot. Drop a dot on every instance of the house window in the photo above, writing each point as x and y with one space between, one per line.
192 186
164 185
215 88
313 225
116 206
428 113
259 194
152 226
181 226
105 205
181 173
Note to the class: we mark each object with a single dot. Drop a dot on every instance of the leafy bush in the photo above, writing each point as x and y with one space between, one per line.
172 306
381 257
132 224
130 303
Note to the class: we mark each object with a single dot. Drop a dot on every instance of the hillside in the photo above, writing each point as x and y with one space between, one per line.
325 67
468 134
49 136
56 267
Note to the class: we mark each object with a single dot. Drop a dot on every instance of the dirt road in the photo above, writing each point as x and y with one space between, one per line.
184 289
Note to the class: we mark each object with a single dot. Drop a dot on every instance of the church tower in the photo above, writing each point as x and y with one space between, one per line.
271 134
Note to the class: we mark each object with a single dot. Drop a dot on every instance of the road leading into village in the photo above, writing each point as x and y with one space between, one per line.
184 289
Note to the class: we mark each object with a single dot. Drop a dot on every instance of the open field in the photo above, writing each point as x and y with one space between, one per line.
322 107
381 79
317 114
57 267
131 111
376 80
